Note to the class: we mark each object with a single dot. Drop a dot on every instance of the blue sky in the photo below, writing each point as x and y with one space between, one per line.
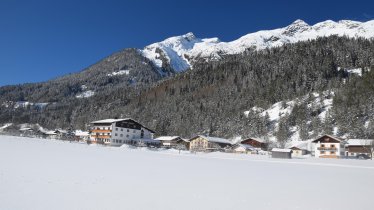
44 39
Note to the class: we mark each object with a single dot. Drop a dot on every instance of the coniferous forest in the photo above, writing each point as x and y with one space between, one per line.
212 97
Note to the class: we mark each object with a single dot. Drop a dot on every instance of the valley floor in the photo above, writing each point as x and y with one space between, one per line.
50 174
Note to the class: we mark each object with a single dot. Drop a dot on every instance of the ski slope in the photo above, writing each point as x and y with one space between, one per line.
50 174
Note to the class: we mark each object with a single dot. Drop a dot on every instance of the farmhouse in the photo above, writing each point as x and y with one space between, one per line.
172 141
256 143
116 132
208 143
328 146
356 147
281 153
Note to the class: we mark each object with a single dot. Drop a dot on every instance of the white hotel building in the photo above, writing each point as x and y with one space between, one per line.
116 132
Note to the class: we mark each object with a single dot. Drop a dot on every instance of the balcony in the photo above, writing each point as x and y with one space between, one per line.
101 131
327 148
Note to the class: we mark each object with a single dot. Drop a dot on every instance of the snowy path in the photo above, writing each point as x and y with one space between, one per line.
47 174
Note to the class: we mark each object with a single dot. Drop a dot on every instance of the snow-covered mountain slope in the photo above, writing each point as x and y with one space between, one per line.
179 52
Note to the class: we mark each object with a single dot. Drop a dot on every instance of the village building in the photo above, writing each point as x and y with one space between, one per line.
256 143
281 153
328 146
208 143
357 147
242 148
116 132
300 149
81 135
172 141
50 134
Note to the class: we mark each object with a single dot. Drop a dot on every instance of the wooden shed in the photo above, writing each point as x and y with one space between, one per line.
281 153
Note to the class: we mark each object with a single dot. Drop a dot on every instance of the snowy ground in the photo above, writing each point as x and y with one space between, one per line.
49 174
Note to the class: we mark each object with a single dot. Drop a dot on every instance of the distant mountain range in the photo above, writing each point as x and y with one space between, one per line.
181 52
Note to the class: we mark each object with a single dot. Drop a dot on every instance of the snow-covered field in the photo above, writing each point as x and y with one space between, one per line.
49 174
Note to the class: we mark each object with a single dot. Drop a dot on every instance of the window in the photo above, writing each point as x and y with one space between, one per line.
127 135
116 134
322 152
121 129
332 145
128 130
116 129
121 135
332 152
322 145
133 131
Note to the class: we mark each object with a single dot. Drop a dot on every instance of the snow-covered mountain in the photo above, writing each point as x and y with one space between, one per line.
180 52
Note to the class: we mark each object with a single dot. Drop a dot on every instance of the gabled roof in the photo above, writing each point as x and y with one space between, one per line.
256 139
214 139
300 146
360 142
110 121
330 136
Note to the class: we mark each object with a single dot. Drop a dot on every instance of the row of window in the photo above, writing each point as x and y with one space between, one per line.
331 146
121 129
102 128
326 153
121 135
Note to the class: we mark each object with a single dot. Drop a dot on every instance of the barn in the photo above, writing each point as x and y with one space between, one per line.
281 153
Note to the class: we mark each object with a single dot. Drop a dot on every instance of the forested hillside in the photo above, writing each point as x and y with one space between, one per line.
213 97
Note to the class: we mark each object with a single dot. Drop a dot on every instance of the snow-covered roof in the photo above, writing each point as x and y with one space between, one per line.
50 133
360 142
109 121
167 138
216 139
25 129
81 133
147 140
280 150
302 146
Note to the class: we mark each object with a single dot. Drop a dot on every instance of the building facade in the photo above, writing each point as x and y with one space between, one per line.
328 146
208 143
355 147
116 132
256 143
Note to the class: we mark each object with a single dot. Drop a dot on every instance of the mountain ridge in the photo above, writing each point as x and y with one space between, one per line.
182 51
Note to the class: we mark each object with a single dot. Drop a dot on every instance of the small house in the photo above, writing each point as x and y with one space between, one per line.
299 150
172 141
281 153
81 135
256 143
